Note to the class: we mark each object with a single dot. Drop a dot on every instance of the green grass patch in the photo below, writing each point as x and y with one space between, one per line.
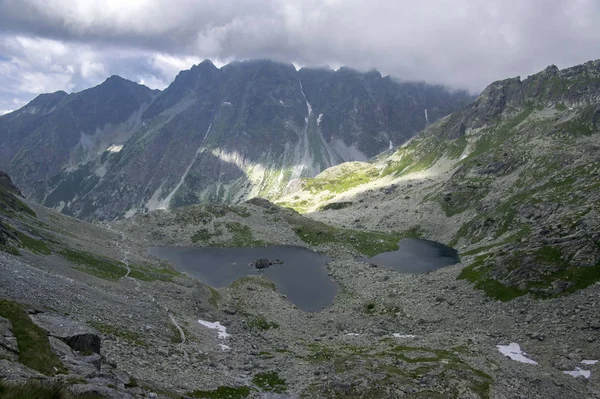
498 135
105 268
222 392
260 323
33 245
215 297
205 235
12 206
369 243
149 273
241 236
130 336
34 349
345 181
493 288
270 382
39 390
579 277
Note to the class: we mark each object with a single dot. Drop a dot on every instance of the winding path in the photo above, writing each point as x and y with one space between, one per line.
138 288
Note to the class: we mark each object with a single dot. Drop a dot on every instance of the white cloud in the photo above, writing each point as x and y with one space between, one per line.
461 43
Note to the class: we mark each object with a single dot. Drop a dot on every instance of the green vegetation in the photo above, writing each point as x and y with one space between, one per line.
492 288
108 269
260 323
205 235
33 245
551 268
215 297
13 206
320 353
222 392
368 243
255 280
270 382
346 180
112 329
34 349
175 335
498 135
335 206
193 215
38 390
241 236
149 273
402 364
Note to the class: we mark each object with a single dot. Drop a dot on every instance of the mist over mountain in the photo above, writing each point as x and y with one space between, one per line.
213 135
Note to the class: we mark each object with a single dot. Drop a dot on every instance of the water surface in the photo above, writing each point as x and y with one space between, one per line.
302 276
416 256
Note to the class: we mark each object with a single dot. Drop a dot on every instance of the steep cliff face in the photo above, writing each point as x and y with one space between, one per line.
214 135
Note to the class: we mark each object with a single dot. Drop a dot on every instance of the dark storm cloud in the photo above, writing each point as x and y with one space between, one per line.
51 44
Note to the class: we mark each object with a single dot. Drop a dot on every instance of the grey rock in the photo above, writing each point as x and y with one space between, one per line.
103 391
9 348
78 336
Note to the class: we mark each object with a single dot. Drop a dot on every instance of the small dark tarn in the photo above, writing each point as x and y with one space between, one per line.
416 256
297 272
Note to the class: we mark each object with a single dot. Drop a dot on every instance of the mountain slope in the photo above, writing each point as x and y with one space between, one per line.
58 131
214 135
512 179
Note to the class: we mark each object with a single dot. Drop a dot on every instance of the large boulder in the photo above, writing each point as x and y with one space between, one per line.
78 336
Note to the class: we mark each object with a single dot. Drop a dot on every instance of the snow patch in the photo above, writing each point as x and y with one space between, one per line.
590 362
578 372
281 102
513 350
319 119
60 206
398 335
115 148
153 203
224 347
391 145
426 116
130 213
221 329
226 103
353 334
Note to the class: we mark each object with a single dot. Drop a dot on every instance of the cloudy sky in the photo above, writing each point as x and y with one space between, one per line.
49 45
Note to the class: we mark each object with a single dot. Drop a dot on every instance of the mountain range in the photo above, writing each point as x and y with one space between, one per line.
510 180
214 135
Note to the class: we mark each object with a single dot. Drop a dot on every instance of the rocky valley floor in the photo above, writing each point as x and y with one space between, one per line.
385 335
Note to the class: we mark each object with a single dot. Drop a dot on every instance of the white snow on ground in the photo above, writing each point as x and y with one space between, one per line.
426 116
130 213
579 373
513 350
115 148
589 362
319 119
398 335
226 103
353 334
222 330
224 347
391 145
